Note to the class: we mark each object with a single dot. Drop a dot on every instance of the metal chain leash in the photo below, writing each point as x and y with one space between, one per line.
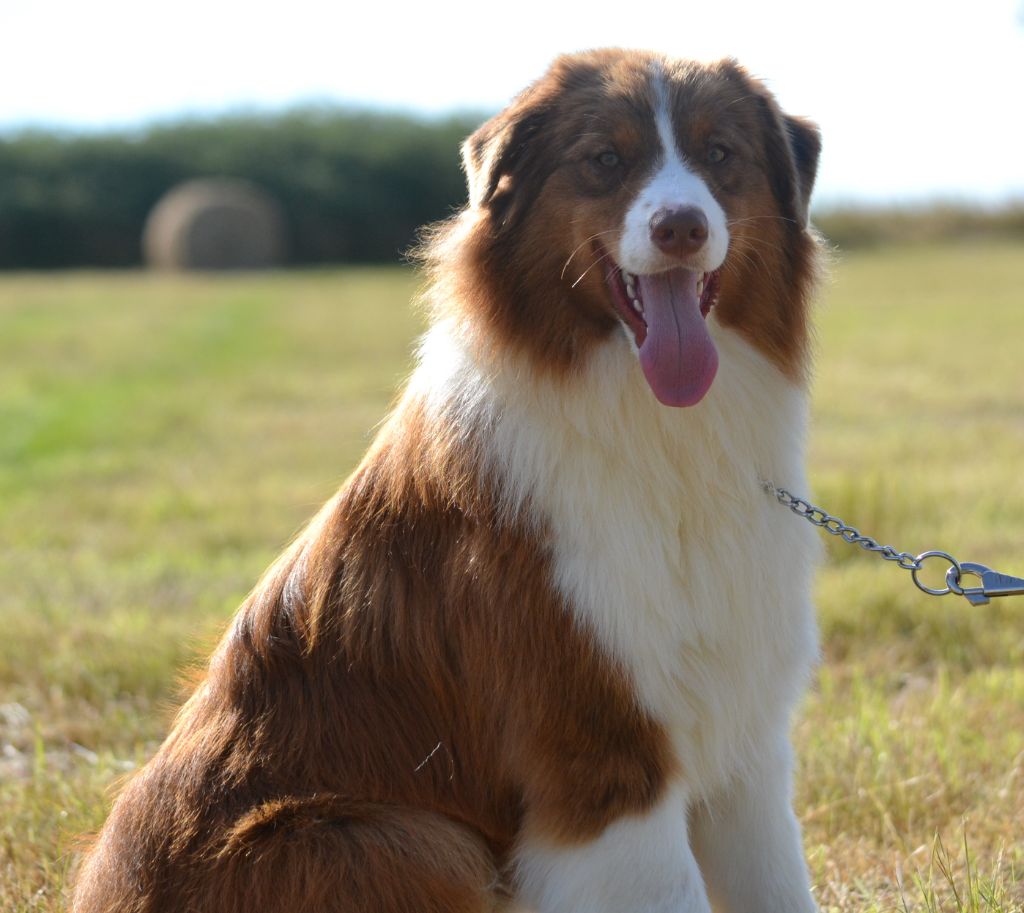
992 582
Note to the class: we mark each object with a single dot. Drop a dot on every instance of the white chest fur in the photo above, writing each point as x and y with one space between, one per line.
663 542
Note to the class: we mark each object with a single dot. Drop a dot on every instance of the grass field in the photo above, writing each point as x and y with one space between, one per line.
161 439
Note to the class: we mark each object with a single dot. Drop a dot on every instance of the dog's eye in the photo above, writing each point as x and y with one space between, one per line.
717 154
608 159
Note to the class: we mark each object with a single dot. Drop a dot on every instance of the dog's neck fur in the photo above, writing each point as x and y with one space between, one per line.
664 544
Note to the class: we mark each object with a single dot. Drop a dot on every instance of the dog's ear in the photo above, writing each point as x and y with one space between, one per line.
503 166
805 148
792 146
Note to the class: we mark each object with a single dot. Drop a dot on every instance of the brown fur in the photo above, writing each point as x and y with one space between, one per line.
403 693
404 696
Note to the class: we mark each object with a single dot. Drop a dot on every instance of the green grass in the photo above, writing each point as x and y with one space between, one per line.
162 438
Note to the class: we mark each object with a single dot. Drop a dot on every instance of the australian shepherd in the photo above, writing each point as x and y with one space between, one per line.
542 647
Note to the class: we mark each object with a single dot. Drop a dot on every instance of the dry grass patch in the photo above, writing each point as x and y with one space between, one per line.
163 437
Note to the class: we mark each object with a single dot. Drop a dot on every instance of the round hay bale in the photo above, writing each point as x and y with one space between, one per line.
214 224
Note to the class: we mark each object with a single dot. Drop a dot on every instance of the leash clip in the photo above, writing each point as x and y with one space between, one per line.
992 583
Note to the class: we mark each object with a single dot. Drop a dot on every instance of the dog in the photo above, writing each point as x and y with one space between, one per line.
542 647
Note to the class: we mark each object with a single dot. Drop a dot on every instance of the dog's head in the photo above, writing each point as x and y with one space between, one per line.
624 192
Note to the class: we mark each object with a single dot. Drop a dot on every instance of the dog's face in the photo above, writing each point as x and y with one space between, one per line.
626 192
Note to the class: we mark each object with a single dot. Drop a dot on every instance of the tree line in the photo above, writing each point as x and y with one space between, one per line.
353 186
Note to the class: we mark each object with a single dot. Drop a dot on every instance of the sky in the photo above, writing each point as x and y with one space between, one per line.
916 100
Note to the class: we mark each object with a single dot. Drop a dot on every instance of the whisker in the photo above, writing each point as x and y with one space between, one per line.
764 268
586 241
604 256
747 259
757 218
763 243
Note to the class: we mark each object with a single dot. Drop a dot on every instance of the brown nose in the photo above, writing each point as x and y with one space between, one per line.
679 232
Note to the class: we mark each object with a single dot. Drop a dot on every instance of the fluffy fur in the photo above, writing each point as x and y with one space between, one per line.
542 647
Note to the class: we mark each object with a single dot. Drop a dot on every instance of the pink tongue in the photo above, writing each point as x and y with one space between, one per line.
677 355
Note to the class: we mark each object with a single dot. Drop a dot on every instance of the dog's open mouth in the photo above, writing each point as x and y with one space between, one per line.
666 314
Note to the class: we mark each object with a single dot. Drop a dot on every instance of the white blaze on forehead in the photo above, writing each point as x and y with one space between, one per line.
673 185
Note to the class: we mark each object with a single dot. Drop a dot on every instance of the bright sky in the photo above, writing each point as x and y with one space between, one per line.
915 99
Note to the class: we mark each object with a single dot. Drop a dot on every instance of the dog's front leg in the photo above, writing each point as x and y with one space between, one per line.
747 841
639 864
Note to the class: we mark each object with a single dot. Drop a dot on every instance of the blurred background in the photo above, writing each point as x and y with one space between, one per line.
166 425
345 119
